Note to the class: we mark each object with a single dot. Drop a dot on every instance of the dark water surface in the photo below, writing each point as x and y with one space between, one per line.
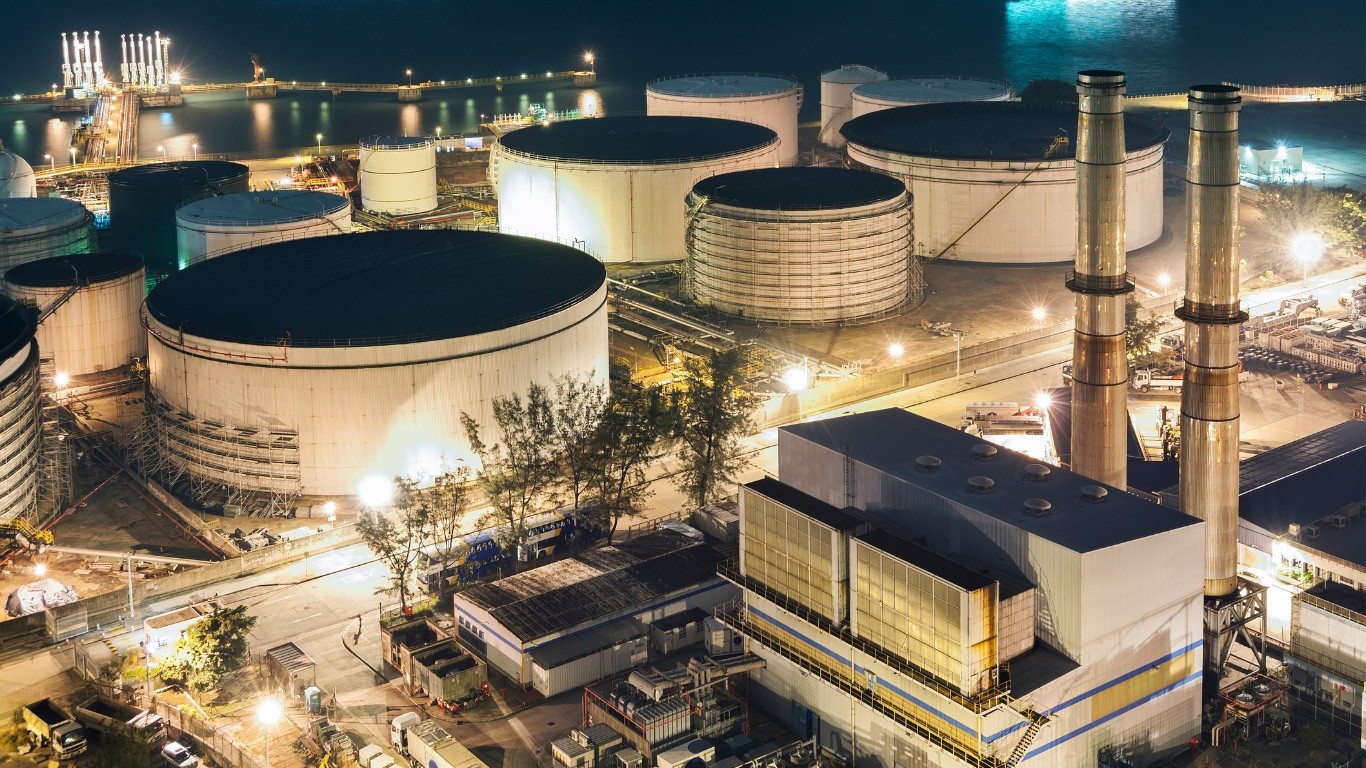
1163 45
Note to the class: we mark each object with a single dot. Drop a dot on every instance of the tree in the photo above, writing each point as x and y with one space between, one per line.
518 473
626 443
1050 93
1333 213
124 747
713 413
448 499
396 535
1140 335
580 402
211 648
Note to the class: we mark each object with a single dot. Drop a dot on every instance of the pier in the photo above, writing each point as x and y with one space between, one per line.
271 87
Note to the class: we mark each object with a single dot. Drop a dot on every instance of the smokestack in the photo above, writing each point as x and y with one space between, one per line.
1100 280
1209 394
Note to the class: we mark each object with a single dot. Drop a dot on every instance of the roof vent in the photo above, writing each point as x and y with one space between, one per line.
983 452
928 463
1037 472
1293 531
1337 521
980 484
1037 507
1094 493
1312 531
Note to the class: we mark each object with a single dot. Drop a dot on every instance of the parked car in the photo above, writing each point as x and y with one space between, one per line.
175 754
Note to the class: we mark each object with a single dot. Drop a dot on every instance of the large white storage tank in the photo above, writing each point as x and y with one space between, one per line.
16 176
217 225
802 245
94 329
837 92
994 182
614 187
926 90
38 227
309 366
772 101
398 174
20 428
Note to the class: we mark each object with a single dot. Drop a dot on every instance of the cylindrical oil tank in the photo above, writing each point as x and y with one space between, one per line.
398 174
143 202
837 90
97 327
802 245
925 90
310 365
996 182
214 226
772 101
614 186
20 428
16 176
38 227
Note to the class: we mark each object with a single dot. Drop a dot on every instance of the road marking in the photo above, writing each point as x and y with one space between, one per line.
279 599
306 618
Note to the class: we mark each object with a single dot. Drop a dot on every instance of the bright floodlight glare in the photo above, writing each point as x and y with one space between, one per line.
1307 247
1039 313
330 508
895 349
1042 400
61 379
268 712
1164 280
375 491
40 570
795 379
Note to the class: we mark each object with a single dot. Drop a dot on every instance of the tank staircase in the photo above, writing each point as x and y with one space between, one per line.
47 311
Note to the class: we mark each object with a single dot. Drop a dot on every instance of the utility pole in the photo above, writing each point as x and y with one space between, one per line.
132 609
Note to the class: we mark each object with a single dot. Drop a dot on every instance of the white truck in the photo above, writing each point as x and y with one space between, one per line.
429 745
50 724
1146 380
376 756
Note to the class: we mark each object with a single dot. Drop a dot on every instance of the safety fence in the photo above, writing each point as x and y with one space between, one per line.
1298 92
206 738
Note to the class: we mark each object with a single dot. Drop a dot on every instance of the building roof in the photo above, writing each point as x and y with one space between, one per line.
277 206
16 175
853 73
820 511
680 619
291 657
984 130
375 288
800 188
22 215
937 565
639 139
565 650
188 613
16 328
178 175
723 85
890 440
83 268
933 90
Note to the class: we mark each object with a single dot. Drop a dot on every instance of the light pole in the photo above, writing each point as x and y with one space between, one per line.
319 137
162 150
52 160
1308 248
195 149
410 77
268 714
957 354
73 155
132 609
589 58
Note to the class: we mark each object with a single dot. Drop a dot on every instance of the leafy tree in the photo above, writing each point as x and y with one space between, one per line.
1050 93
1141 334
1333 213
448 499
580 403
396 535
124 747
212 647
518 473
626 443
713 414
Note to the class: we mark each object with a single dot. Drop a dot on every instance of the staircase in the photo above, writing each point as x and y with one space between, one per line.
1036 723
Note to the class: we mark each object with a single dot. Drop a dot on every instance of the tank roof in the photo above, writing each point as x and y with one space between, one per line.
376 288
853 73
177 175
723 85
639 139
388 141
278 206
984 130
16 327
21 215
16 175
931 90
58 271
800 188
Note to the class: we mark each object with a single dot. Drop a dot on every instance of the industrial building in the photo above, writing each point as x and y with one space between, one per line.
143 200
16 176
266 379
213 226
801 245
771 101
38 227
922 598
996 182
398 174
1259 157
837 93
873 97
1327 656
574 621
20 429
613 187
87 306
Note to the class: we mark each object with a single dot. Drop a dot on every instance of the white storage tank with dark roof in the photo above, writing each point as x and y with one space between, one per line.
398 174
984 186
308 366
772 101
837 90
214 226
94 329
802 245
614 186
38 227
20 428
926 90
143 200
16 176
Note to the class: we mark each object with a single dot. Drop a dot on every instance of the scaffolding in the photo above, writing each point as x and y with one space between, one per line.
55 454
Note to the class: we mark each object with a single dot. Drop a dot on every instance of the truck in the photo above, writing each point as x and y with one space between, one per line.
1146 379
428 744
376 756
103 714
50 724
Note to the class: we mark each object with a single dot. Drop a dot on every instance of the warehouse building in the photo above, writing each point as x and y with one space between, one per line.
925 599
565 624
1327 656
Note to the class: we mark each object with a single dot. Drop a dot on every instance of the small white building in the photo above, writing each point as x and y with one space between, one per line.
1258 157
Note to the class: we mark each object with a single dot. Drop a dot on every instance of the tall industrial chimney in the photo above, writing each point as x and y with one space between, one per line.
1100 279
1209 394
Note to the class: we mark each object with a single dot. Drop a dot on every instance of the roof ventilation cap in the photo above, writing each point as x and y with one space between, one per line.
1037 507
928 463
980 484
983 452
1037 472
1093 493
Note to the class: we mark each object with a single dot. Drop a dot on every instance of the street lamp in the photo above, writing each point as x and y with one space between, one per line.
195 149
319 137
1164 281
1308 248
796 379
162 150
61 379
375 491
52 160
73 155
410 77
268 713
40 570
896 350
588 57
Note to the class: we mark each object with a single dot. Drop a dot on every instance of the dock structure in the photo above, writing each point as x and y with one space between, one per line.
405 92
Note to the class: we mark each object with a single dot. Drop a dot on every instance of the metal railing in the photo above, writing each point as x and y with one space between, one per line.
208 737
792 84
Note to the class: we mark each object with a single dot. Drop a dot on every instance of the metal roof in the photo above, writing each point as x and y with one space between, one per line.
182 174
922 558
723 85
889 441
932 90
1000 131
375 288
291 657
16 328
21 215
565 650
84 268
279 206
800 188
639 139
389 141
853 73
827 514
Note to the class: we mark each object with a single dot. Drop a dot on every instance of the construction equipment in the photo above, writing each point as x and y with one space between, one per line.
26 536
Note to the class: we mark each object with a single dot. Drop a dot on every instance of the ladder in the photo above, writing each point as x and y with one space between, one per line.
1036 722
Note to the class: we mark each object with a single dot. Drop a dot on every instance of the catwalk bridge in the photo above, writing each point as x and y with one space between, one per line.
269 89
